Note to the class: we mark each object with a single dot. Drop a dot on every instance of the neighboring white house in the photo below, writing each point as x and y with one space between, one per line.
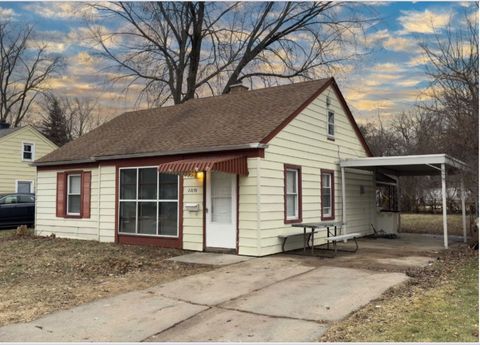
19 148
232 171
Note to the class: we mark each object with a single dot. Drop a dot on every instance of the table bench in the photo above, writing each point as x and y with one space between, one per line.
285 237
346 237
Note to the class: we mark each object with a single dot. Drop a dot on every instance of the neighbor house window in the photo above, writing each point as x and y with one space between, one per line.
327 195
24 187
148 202
74 182
28 151
293 194
331 124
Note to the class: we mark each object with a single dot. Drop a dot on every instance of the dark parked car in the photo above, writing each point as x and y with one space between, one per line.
17 209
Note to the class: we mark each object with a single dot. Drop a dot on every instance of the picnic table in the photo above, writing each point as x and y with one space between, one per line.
314 228
332 235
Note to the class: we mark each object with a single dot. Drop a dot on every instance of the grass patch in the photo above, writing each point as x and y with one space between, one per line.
431 223
439 304
39 275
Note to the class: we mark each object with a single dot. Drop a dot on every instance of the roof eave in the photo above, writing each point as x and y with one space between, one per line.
155 154
53 163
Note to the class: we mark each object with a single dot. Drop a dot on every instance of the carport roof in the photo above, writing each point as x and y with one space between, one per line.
415 165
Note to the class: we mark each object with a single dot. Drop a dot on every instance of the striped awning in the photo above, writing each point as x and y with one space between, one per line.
233 164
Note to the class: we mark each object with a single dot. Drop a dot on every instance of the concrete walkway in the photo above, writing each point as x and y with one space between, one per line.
278 298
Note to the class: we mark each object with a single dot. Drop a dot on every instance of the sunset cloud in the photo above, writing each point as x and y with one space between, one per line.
423 22
400 44
60 10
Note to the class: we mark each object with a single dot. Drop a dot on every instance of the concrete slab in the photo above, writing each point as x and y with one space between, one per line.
228 325
406 261
326 293
128 317
215 259
230 282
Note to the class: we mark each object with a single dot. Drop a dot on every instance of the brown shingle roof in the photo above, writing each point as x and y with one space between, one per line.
234 119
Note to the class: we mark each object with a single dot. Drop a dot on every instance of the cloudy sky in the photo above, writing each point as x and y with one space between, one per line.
387 81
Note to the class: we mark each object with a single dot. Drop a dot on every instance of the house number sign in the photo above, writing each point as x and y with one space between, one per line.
192 190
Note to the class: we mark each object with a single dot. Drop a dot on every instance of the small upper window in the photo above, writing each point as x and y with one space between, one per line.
331 124
27 152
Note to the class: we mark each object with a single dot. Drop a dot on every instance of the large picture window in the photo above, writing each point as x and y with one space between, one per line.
327 195
148 202
293 194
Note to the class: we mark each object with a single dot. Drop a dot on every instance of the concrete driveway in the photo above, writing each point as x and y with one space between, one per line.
277 298
284 298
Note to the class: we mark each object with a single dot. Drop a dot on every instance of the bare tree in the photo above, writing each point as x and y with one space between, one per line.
81 115
180 49
23 71
453 70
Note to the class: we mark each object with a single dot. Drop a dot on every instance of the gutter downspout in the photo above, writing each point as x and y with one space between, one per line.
344 203
98 200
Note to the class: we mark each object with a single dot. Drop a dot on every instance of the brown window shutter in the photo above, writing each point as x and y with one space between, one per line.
61 194
86 187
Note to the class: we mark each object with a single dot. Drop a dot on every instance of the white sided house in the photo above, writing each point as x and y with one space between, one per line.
19 148
227 172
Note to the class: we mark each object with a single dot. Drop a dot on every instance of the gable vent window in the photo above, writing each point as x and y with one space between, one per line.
27 151
331 124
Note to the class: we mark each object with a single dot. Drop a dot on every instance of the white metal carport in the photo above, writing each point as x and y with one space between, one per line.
418 165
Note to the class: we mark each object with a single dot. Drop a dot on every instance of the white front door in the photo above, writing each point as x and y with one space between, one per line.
221 212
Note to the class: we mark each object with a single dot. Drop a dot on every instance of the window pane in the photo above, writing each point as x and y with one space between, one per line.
23 187
147 218
326 200
326 180
74 204
127 217
221 211
291 181
26 199
331 117
10 199
167 218
74 184
128 184
147 183
27 155
27 148
331 129
291 205
167 187
326 211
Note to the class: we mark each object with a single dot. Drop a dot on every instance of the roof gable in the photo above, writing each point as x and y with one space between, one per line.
198 125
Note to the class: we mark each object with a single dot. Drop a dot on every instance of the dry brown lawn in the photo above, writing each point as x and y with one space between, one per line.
432 223
39 275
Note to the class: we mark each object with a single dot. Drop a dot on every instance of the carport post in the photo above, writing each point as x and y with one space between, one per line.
444 207
344 203
464 216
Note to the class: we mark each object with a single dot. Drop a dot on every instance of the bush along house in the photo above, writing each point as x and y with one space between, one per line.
230 172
